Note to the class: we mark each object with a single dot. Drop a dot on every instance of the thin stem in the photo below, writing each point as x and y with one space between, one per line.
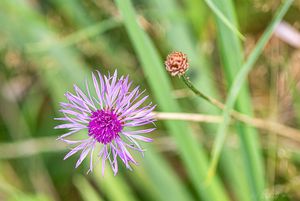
255 122
273 127
190 85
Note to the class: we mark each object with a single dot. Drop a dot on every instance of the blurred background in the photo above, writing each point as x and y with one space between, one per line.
46 46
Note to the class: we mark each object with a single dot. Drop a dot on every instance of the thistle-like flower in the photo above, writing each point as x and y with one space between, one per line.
111 117
176 63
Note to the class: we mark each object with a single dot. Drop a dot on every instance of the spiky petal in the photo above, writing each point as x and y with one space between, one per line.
111 116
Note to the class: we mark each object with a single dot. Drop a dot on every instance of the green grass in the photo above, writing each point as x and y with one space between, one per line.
47 46
250 144
192 155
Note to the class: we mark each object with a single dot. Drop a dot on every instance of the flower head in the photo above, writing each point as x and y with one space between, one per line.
110 116
176 63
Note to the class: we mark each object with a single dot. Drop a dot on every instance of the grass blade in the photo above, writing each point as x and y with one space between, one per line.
200 71
115 187
236 87
86 190
224 19
193 157
74 38
59 75
157 180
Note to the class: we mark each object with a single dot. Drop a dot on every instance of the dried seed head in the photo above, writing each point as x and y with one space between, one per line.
177 63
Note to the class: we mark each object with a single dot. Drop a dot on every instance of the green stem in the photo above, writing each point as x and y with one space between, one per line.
190 85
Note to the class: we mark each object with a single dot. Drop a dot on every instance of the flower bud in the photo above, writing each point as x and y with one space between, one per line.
177 63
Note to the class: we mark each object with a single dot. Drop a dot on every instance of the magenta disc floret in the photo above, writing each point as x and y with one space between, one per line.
104 126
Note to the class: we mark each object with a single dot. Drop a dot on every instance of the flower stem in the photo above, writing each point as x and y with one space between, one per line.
259 123
190 85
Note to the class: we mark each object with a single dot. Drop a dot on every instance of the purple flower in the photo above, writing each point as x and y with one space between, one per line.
108 115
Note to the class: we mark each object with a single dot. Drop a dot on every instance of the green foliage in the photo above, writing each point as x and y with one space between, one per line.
47 46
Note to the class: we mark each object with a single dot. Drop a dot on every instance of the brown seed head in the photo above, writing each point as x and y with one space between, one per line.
177 63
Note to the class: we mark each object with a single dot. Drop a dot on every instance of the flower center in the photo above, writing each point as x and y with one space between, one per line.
104 126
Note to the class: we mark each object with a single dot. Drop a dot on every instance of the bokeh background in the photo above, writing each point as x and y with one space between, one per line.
48 45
